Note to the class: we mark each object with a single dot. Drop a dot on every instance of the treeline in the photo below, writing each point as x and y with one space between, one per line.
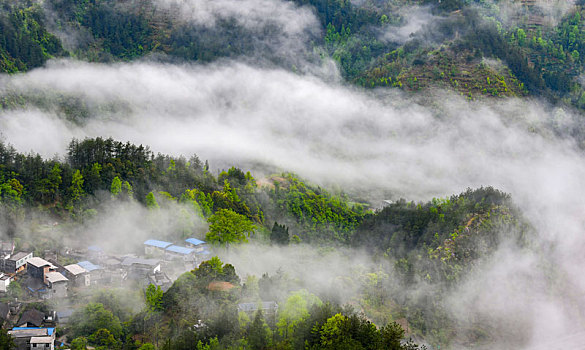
200 311
25 42
96 170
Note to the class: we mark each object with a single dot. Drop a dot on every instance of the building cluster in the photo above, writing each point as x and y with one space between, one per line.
42 279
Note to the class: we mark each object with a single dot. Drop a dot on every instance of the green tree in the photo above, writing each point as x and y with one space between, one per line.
294 311
94 317
154 297
146 346
227 226
76 188
521 36
279 234
6 341
116 187
79 343
14 290
151 201
259 334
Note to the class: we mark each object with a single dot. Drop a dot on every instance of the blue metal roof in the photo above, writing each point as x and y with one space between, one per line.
88 265
49 330
157 243
180 250
194 241
95 248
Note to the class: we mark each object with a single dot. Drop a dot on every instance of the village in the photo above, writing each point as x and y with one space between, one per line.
38 280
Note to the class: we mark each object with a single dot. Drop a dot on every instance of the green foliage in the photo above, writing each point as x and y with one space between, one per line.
153 297
259 335
316 210
151 202
227 226
116 187
14 289
79 343
94 317
6 341
279 234
294 311
25 42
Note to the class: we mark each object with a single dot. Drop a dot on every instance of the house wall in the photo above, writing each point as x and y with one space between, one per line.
36 272
58 290
4 285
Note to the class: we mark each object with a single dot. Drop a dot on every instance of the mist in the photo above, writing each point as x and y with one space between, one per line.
380 143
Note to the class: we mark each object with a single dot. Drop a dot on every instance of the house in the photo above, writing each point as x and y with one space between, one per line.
202 256
153 247
57 284
265 306
269 309
31 318
16 262
160 279
95 271
6 249
95 252
64 315
139 268
176 252
77 275
38 268
29 338
196 244
4 282
42 343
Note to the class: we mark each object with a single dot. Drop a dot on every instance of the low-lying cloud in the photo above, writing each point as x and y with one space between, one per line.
381 140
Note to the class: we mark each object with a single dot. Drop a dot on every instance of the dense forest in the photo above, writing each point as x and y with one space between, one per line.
539 57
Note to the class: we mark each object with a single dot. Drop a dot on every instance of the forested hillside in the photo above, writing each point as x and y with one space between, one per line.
532 55
436 243
327 174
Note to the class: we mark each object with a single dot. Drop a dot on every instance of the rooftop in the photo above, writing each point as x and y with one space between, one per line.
140 261
265 305
22 332
180 250
41 340
75 269
95 248
38 262
157 243
19 256
89 266
194 241
55 277
34 317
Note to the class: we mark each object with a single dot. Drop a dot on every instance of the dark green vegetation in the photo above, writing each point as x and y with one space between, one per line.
436 244
534 56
